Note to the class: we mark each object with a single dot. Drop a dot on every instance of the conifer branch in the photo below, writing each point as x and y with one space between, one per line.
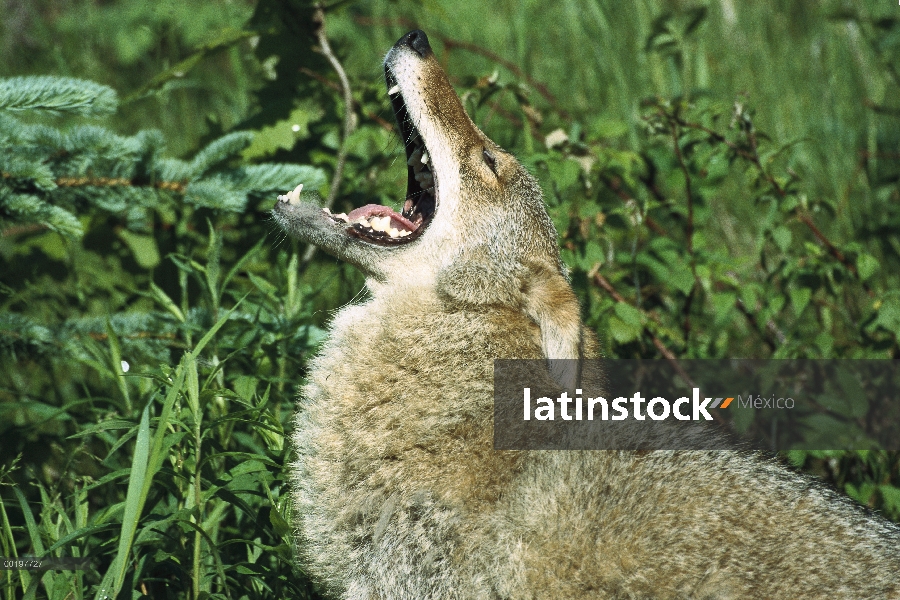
57 94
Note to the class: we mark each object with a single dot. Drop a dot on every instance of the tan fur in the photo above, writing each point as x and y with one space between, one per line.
398 492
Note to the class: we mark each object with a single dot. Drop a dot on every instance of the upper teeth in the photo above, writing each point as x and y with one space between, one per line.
292 197
418 160
393 90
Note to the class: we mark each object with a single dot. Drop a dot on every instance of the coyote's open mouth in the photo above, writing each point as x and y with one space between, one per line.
382 224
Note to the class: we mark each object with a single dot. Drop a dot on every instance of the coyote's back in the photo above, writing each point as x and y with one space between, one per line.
398 492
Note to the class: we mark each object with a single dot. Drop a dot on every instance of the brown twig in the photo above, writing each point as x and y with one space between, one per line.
667 354
753 157
673 124
689 226
614 184
20 229
325 49
751 318
171 186
383 123
450 44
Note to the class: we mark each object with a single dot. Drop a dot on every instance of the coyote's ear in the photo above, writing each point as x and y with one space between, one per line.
537 288
551 303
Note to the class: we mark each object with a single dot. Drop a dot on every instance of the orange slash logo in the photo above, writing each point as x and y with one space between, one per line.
718 401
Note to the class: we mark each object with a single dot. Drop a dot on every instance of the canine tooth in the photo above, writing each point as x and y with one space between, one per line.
292 197
326 210
424 157
393 90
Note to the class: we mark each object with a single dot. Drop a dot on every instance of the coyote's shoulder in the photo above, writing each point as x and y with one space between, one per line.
398 490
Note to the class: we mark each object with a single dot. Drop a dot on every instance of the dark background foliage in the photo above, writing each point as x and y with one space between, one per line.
725 178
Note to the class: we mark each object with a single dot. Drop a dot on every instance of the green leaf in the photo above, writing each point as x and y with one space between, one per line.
160 296
723 307
604 128
862 493
215 328
245 386
889 315
143 248
626 324
890 496
782 237
593 255
565 172
629 314
279 524
866 266
799 299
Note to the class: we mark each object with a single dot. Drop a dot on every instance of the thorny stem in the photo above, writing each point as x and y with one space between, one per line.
325 48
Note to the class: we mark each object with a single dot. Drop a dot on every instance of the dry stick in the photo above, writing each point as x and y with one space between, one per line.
325 48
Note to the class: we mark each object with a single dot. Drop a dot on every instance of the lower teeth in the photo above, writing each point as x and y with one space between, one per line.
375 224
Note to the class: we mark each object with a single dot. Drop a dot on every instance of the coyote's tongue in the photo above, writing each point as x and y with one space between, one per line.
376 210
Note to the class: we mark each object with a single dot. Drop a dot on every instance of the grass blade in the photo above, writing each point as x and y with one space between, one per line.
138 487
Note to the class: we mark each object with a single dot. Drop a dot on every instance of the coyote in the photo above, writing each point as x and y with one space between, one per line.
398 492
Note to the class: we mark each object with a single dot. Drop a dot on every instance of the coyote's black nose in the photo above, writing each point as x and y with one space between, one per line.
417 40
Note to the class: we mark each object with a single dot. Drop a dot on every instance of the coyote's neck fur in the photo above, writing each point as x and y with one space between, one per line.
398 492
